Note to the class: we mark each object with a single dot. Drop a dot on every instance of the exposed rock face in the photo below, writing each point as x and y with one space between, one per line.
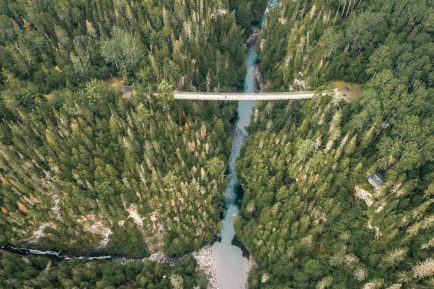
259 79
163 258
363 195
253 36
40 232
251 265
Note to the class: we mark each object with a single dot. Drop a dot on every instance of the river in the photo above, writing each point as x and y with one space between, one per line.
231 264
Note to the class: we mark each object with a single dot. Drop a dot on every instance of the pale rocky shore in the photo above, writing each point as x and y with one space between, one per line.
251 265
206 262
203 257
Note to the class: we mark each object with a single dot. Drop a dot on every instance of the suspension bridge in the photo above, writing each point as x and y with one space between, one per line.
244 95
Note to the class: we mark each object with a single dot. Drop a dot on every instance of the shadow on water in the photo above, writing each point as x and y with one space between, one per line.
236 242
238 193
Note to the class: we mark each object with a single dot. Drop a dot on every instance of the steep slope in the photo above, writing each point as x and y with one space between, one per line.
85 170
191 44
305 44
309 215
96 172
248 12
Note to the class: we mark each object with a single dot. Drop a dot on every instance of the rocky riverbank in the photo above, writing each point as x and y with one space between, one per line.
259 79
251 265
253 36
251 40
206 262
204 258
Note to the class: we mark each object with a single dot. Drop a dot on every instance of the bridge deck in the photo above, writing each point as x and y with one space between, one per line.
243 96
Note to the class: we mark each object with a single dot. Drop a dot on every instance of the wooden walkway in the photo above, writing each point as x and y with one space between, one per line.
243 96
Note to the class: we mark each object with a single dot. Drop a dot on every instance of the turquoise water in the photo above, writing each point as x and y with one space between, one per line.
231 265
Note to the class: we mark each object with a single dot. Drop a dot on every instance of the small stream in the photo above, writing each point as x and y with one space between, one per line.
52 254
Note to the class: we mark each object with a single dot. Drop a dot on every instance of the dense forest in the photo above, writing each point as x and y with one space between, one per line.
304 44
38 272
92 171
55 44
338 190
309 216
86 169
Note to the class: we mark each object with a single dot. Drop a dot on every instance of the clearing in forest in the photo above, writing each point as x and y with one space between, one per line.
347 91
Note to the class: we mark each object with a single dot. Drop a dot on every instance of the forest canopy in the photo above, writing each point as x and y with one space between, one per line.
86 169
96 157
309 215
38 272
62 43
